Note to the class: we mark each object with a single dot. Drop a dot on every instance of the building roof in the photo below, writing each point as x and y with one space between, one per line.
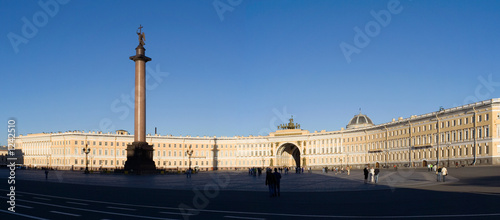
359 121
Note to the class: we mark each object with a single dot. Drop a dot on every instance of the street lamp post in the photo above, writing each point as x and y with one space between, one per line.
189 153
438 135
86 151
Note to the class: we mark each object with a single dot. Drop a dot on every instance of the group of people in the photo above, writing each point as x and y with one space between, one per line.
254 171
273 182
338 170
441 173
371 175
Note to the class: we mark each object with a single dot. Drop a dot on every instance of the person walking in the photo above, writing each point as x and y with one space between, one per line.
372 174
46 173
365 172
277 176
377 172
188 173
444 172
270 181
439 174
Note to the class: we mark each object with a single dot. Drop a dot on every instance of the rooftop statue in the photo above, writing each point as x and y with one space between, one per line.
142 36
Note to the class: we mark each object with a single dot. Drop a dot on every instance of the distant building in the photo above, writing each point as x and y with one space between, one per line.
403 142
3 156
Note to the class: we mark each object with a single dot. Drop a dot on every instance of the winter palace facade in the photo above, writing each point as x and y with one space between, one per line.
463 135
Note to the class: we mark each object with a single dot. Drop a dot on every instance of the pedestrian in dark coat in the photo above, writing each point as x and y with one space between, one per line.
365 172
270 182
277 176
377 172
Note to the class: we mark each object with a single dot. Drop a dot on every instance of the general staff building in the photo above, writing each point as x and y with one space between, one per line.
463 135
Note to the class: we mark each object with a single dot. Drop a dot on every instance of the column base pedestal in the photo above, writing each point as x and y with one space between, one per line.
140 158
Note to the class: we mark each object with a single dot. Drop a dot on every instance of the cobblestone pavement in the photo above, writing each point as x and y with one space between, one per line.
316 181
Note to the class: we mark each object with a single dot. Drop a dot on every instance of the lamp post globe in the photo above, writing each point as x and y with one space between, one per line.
86 151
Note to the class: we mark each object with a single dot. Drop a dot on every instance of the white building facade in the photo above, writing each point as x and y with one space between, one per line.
462 135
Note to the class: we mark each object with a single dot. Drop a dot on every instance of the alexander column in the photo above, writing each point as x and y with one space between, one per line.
140 153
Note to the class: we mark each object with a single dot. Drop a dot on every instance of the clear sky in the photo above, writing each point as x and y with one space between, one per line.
243 68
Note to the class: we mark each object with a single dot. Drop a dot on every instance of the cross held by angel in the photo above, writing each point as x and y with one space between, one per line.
142 36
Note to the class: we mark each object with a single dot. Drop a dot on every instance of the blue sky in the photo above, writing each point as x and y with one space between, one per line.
239 75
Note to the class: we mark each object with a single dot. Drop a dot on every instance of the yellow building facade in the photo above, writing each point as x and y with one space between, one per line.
462 135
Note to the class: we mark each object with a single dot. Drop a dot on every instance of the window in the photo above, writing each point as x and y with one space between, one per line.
487 117
100 143
106 143
76 142
479 118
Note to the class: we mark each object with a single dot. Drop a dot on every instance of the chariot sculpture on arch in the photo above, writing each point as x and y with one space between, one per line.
142 36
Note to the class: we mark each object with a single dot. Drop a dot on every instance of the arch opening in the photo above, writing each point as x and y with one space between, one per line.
288 155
